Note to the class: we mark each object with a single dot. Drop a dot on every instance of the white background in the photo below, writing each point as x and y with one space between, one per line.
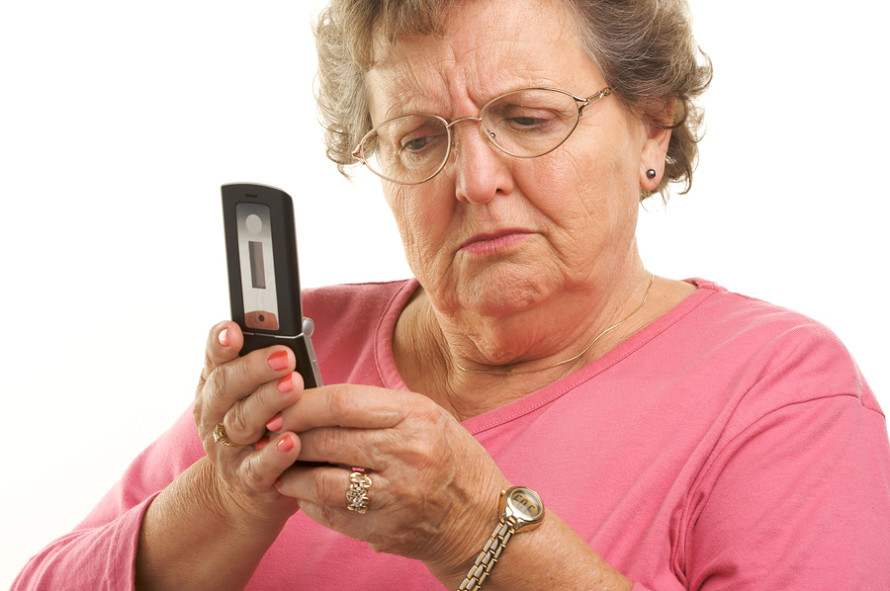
119 121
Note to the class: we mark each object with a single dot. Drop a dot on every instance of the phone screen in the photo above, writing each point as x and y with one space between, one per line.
256 256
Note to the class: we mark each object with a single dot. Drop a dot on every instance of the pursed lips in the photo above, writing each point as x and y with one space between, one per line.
493 241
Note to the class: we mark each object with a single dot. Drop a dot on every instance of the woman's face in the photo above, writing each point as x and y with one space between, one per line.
495 234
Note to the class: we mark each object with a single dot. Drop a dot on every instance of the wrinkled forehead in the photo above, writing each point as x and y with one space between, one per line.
479 49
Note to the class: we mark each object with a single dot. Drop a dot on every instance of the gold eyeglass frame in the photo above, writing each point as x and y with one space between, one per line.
358 152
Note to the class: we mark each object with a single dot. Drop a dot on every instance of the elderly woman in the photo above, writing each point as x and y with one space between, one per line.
679 435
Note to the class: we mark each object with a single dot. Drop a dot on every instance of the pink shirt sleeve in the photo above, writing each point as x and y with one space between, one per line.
99 554
796 495
799 500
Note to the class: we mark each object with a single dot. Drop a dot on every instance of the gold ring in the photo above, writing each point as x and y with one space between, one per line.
219 436
357 493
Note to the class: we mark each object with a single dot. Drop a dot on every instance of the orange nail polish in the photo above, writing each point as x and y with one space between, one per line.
286 384
275 423
261 443
286 444
278 360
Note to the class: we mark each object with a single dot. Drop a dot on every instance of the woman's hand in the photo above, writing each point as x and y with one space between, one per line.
434 488
223 512
242 394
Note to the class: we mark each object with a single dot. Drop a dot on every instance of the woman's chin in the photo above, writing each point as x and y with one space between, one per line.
505 294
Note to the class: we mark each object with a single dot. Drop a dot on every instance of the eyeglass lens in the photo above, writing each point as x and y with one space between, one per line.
524 123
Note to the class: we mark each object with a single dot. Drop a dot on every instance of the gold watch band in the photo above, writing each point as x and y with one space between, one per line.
521 510
489 556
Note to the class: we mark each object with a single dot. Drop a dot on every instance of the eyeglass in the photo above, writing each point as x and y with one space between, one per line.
525 123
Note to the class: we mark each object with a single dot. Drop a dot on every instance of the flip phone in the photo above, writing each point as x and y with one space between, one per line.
264 279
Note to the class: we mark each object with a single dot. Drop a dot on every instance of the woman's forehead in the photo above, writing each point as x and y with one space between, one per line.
429 88
532 47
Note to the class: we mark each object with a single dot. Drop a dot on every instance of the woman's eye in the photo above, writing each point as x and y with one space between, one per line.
523 118
526 120
422 140
415 144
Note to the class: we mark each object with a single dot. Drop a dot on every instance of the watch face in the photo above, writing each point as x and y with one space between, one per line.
525 503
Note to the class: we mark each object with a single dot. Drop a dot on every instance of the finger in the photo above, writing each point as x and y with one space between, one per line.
223 343
322 496
346 447
420 438
326 488
240 377
261 469
250 417
345 405
320 490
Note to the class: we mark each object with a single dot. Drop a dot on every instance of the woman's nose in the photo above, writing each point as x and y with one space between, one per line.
481 170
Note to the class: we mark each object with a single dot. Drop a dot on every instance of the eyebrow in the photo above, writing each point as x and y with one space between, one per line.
400 93
397 89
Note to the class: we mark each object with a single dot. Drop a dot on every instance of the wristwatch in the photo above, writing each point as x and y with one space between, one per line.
521 510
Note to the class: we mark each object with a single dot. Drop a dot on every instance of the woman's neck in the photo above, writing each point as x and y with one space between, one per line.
471 365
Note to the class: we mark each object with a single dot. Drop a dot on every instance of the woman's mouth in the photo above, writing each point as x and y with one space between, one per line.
493 242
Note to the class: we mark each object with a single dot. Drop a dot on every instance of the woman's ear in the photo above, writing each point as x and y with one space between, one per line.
655 148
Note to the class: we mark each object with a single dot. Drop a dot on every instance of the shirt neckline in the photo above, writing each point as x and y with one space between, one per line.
386 365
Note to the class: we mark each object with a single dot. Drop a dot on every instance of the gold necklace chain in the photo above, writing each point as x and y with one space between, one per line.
576 357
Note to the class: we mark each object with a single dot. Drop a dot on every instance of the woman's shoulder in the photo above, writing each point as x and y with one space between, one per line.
716 316
750 314
767 339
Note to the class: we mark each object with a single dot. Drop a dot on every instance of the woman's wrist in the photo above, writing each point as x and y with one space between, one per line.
471 532
195 517
247 515
551 557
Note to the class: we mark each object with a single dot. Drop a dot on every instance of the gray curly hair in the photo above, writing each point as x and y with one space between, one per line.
644 48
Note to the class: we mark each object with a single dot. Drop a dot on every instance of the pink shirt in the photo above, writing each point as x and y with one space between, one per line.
731 444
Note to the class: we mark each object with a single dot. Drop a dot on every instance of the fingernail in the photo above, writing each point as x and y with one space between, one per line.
261 443
285 444
275 423
286 384
278 360
223 337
